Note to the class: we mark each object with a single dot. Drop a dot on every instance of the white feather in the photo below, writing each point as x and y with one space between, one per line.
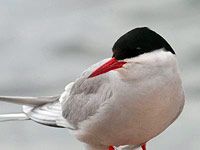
13 117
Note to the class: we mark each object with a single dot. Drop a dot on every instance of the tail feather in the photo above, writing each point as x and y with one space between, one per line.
44 110
13 117
30 101
49 114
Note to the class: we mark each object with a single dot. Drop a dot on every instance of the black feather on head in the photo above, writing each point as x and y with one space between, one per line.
139 41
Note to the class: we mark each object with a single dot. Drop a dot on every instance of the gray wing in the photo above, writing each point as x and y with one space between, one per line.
84 97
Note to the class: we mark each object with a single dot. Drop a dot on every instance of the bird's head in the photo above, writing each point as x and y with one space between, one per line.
132 44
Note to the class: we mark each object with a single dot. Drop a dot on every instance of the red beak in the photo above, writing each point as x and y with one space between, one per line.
112 64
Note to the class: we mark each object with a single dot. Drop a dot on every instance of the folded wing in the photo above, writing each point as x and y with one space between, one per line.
85 96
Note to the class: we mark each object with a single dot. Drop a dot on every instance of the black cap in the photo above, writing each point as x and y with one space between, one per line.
139 41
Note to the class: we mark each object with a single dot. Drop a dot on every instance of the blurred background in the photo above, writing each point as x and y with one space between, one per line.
46 44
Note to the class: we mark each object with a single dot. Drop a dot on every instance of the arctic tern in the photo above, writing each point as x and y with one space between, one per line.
122 101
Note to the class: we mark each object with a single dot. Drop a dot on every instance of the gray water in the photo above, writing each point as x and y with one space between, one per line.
46 44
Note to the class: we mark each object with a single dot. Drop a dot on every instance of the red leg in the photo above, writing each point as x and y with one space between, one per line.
111 148
143 146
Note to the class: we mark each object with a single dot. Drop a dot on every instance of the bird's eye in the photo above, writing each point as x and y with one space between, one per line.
138 48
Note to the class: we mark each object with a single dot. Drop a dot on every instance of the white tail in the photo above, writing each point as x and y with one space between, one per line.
48 114
30 101
13 117
44 110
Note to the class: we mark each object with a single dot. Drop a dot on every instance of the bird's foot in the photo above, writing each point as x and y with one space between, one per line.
111 148
143 146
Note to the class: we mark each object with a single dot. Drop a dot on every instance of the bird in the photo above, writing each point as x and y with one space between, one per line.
121 101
